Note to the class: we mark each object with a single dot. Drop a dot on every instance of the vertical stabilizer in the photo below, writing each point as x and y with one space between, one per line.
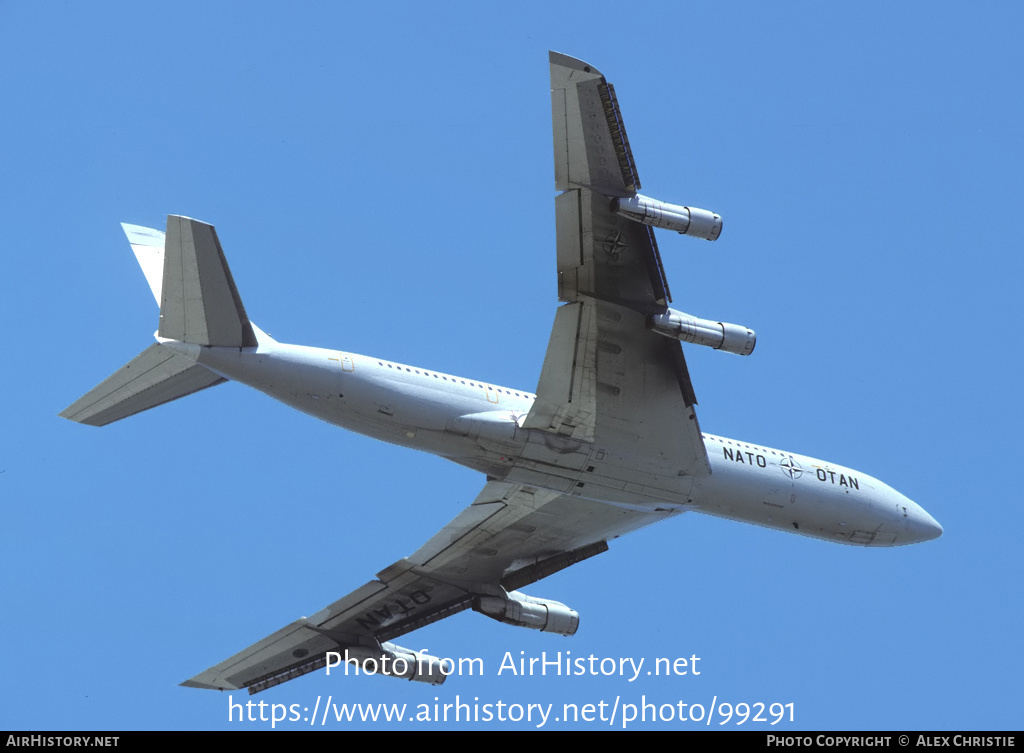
199 301
148 246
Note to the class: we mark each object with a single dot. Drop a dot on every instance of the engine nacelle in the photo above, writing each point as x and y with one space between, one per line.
700 223
732 338
529 612
392 661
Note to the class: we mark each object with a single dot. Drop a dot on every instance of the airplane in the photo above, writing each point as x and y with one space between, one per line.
607 444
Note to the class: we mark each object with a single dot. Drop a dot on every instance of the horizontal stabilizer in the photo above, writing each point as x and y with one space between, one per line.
200 303
156 376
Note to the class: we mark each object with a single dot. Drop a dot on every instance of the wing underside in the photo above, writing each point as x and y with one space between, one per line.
607 379
511 536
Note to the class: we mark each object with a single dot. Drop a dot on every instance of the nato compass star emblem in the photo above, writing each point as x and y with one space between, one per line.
615 244
791 468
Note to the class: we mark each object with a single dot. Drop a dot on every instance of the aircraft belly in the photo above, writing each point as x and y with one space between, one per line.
293 374
325 384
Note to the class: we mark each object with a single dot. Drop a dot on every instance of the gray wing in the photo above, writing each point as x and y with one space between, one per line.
512 535
607 379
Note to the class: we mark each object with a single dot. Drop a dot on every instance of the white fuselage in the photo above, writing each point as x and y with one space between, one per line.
479 425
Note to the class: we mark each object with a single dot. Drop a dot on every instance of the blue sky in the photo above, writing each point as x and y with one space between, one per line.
382 183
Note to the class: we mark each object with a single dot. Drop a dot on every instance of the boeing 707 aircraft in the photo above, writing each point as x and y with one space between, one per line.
609 442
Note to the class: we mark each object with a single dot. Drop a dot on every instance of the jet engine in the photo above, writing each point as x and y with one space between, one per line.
700 223
529 612
732 338
394 661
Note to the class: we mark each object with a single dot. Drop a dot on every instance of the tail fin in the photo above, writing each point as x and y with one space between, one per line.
199 301
199 305
148 245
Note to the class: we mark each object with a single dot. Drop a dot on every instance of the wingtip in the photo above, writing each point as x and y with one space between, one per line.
195 682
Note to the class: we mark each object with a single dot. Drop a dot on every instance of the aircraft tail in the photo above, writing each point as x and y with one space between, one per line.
199 305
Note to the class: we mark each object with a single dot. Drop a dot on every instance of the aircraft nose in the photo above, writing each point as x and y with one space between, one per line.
921 526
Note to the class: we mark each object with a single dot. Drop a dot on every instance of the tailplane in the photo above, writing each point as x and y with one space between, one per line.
199 305
156 376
